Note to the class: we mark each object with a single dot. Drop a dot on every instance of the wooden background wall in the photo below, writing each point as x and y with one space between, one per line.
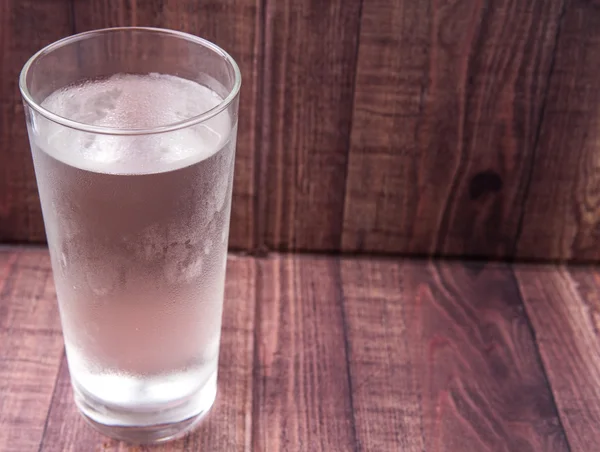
426 127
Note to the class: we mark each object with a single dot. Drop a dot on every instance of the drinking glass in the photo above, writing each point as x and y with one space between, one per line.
132 133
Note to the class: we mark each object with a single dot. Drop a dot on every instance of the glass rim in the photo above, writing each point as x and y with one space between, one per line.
104 130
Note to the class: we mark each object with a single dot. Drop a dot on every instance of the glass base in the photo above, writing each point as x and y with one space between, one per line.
147 427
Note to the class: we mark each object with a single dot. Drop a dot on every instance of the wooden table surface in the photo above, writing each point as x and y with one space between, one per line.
352 354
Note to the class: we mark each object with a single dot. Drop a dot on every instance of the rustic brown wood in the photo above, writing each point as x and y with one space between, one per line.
382 185
30 347
462 128
310 55
302 399
562 212
25 27
447 107
386 390
229 425
235 26
358 354
442 359
564 308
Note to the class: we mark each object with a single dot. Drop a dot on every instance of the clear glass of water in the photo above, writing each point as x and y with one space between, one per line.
132 132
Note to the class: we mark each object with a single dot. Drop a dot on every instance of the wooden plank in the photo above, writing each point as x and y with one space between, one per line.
391 83
386 390
228 425
30 347
25 27
447 107
564 308
302 397
235 26
562 212
28 302
473 353
310 56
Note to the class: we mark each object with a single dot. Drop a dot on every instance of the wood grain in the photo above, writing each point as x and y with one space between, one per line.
392 77
310 54
564 308
448 103
302 399
229 425
437 128
30 347
442 359
563 206
235 26
322 353
386 390
483 387
25 27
